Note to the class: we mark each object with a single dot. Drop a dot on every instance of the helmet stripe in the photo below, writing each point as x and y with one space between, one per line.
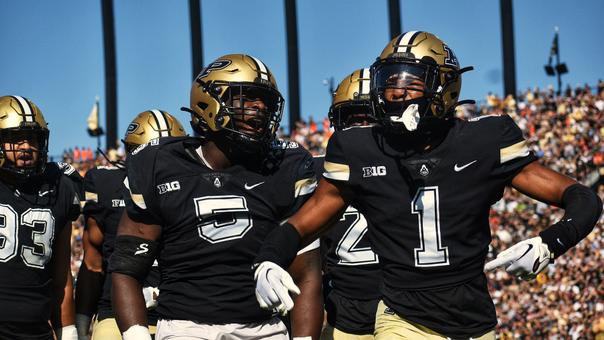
263 70
28 113
404 40
365 81
162 123
411 39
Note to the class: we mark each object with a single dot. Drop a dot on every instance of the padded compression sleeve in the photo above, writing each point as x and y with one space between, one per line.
280 246
133 256
582 208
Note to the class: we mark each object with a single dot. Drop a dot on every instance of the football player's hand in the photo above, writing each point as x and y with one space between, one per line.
150 294
273 285
524 260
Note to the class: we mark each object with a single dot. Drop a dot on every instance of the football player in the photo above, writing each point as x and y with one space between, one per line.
104 190
351 277
215 198
37 205
425 181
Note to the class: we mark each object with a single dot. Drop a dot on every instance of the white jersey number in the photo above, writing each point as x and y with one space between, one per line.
431 252
9 230
348 251
212 228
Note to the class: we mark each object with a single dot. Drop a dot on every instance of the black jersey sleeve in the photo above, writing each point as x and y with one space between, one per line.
92 207
139 185
304 181
336 166
514 153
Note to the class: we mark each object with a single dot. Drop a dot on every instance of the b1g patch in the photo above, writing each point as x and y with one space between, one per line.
217 65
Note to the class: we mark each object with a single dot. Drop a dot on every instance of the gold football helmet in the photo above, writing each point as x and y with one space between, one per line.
237 94
351 102
415 68
149 125
23 137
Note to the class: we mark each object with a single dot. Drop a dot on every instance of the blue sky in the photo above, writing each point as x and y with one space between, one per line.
52 50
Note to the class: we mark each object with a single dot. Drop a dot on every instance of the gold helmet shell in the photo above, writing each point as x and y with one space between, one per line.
424 55
351 97
212 106
149 125
20 115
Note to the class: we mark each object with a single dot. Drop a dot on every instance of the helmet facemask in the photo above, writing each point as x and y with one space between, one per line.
24 162
407 92
352 113
252 113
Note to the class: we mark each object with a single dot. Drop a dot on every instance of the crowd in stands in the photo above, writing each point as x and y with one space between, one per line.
566 132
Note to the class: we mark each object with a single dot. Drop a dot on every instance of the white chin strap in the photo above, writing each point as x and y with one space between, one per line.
410 118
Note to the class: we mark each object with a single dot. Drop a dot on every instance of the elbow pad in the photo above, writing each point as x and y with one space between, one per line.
133 256
582 209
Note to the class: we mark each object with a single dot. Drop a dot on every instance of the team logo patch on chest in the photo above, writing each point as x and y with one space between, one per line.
217 179
422 167
374 171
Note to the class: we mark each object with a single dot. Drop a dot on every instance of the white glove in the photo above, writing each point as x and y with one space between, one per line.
524 260
137 332
67 333
273 285
150 294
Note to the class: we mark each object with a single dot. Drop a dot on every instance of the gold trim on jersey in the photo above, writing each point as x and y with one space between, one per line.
514 151
138 200
336 171
91 196
304 186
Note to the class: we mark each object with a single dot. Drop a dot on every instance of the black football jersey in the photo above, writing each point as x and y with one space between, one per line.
429 210
350 266
213 222
104 192
32 215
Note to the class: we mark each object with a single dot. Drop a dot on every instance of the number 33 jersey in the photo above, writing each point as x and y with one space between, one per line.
32 216
213 223
428 211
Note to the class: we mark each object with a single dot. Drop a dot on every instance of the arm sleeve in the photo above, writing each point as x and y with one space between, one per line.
139 188
92 205
514 153
336 166
304 183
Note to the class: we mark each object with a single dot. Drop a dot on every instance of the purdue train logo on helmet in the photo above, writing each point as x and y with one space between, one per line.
149 125
351 102
237 95
416 78
23 137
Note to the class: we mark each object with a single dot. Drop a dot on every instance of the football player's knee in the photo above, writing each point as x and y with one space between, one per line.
133 256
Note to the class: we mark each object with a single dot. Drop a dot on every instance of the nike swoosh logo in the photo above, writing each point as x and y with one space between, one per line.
530 246
44 193
459 168
250 187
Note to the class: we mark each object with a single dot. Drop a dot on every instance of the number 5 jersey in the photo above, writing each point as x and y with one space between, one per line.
213 222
